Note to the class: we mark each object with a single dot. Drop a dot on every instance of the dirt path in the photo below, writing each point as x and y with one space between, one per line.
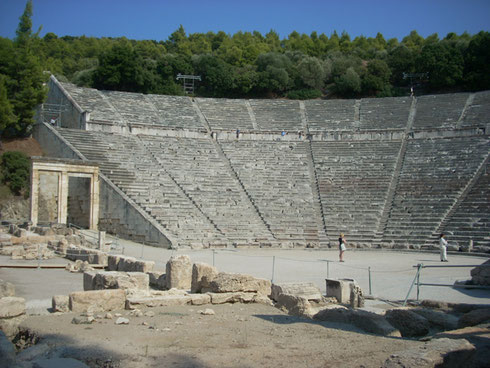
237 335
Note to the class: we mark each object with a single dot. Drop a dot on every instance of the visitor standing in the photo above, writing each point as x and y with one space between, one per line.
342 247
443 247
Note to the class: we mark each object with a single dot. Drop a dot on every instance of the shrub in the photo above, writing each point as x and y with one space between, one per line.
16 171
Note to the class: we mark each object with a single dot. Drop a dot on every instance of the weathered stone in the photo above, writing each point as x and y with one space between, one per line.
89 280
200 299
305 290
409 323
207 312
60 303
82 320
366 321
7 351
234 282
130 264
199 270
131 282
10 326
481 275
12 306
438 319
294 305
113 262
340 289
435 353
6 289
474 317
158 280
232 297
122 321
36 351
158 301
179 272
356 296
97 300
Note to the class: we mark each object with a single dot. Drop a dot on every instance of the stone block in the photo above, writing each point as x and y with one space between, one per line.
438 319
356 296
10 326
339 289
200 299
89 280
475 317
60 303
6 289
97 300
409 323
131 282
179 272
305 290
157 301
113 262
158 280
234 282
12 306
294 305
232 297
199 270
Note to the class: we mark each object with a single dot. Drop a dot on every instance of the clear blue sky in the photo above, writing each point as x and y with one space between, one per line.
157 19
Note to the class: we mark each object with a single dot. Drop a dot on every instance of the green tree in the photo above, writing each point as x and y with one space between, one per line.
274 72
25 86
7 116
477 62
377 77
312 72
15 171
217 76
348 84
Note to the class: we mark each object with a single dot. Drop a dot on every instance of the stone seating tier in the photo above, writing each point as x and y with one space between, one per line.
439 111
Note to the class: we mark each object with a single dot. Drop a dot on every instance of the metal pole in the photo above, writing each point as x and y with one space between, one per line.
328 269
38 257
142 249
419 267
273 267
418 285
214 252
369 274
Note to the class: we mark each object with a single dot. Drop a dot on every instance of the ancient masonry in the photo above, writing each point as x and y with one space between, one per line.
195 172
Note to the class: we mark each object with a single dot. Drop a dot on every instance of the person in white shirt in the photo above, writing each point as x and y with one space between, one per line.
443 246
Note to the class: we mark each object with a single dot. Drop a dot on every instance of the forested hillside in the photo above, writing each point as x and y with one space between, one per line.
245 64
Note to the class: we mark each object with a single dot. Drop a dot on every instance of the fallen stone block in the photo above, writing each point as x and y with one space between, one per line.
6 289
89 280
475 317
409 323
83 320
33 352
199 270
305 290
157 301
179 272
158 280
234 282
113 262
131 282
340 289
200 299
438 319
60 303
232 297
12 306
294 305
366 321
130 264
10 326
97 300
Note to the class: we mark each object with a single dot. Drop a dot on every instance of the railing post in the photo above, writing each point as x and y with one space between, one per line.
214 252
419 267
369 274
328 269
273 267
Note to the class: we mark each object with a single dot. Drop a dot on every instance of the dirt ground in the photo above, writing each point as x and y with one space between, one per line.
237 335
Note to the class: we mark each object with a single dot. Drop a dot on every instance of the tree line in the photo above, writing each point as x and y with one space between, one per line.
242 65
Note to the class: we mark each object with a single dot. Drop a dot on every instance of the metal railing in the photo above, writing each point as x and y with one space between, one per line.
420 266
